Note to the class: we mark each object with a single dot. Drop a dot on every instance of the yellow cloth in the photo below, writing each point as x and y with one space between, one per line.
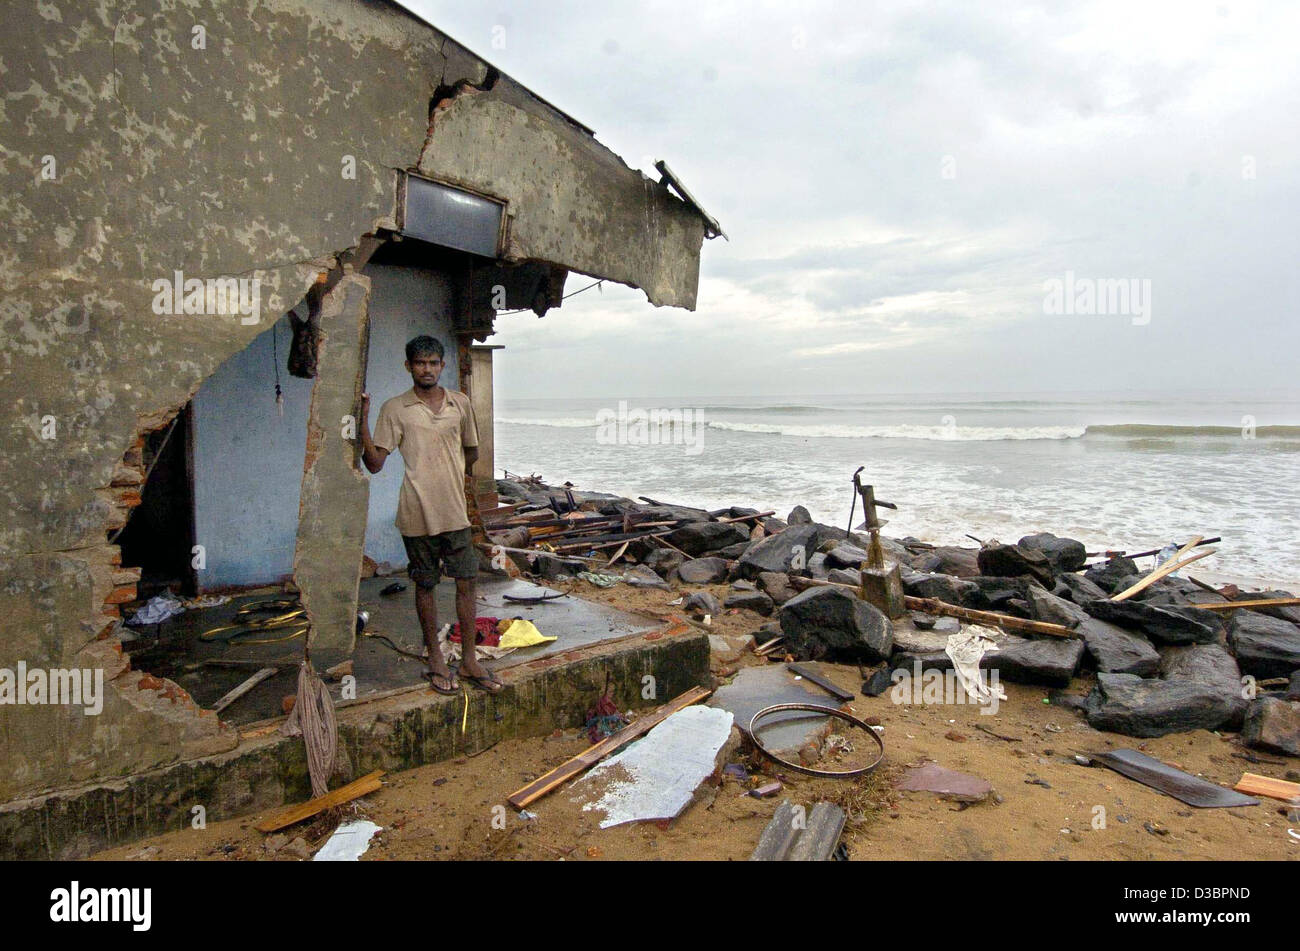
521 633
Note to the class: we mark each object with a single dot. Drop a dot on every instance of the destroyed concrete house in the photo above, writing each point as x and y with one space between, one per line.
200 198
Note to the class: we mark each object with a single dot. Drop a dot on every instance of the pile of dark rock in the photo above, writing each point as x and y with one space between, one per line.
1162 662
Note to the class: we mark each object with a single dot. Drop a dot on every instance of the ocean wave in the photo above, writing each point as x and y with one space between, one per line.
905 431
1155 430
566 422
793 409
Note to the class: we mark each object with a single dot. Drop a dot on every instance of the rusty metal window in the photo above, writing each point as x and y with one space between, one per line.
451 217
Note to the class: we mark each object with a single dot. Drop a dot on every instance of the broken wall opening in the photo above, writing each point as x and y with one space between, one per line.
158 537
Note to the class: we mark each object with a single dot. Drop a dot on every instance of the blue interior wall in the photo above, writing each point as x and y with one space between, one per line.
248 459
248 465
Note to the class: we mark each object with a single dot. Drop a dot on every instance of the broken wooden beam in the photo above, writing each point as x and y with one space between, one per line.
354 790
1262 603
748 518
571 767
1253 784
1169 567
264 674
1005 621
839 693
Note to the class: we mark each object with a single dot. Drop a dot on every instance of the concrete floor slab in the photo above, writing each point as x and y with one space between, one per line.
174 649
392 731
757 687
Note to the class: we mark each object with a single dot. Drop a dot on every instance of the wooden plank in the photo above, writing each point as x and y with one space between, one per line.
1005 621
354 790
747 518
1263 603
243 688
839 693
1169 567
500 512
571 767
1253 784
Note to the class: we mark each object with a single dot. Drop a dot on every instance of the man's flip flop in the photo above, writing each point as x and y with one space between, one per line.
430 676
488 684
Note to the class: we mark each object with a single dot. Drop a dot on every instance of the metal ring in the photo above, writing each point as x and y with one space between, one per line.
826 711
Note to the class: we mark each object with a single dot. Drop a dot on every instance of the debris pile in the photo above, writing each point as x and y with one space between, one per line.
1169 654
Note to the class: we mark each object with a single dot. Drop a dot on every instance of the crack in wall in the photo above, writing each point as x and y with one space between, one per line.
445 94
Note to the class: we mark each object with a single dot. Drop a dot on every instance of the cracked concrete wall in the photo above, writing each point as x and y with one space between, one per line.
568 204
144 143
334 504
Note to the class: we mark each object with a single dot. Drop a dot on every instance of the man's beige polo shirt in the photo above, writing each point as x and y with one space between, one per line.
432 500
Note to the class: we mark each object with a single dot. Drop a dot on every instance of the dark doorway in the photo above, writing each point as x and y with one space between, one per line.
159 535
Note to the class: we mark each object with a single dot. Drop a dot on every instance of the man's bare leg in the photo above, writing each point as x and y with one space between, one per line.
465 613
426 608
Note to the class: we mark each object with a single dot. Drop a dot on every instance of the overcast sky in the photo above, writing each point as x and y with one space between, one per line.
899 180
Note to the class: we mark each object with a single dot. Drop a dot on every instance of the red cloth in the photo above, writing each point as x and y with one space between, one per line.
485 629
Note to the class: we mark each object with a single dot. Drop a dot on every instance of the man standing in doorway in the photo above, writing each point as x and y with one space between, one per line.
434 429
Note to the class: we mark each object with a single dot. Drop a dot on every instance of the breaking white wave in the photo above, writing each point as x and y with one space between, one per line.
906 431
569 422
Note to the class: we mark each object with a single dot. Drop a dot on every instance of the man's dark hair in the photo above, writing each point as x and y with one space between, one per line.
423 346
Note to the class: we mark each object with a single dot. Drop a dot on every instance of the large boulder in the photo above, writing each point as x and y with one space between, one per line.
1080 588
1116 651
1168 625
950 560
1064 554
663 561
550 567
946 588
755 601
797 544
799 516
831 624
696 538
701 603
1048 662
1012 561
848 576
1208 664
734 552
1045 606
1265 646
1125 703
998 594
702 570
1274 725
1114 575
639 576
846 555
776 585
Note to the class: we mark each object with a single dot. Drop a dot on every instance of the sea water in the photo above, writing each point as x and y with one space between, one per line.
1115 471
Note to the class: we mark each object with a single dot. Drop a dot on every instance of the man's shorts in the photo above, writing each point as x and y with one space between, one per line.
430 555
